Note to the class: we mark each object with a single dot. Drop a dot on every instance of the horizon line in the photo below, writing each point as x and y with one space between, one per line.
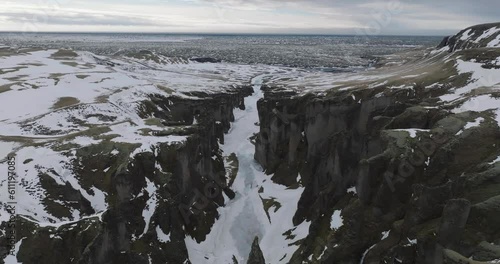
222 33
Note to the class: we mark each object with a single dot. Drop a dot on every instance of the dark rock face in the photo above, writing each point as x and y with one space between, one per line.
206 60
453 221
256 256
417 189
189 178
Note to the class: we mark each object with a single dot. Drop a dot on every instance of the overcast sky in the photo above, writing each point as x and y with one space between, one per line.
388 17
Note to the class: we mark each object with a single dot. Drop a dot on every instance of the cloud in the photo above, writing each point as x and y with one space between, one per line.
76 19
253 16
411 15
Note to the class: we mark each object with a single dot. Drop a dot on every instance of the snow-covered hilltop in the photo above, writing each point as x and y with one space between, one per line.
480 36
142 158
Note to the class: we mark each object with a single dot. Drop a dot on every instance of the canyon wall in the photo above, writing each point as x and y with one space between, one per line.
174 189
409 185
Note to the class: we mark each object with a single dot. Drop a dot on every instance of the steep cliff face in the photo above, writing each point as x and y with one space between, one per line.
392 174
391 165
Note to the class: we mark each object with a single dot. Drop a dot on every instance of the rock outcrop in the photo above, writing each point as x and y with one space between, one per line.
256 256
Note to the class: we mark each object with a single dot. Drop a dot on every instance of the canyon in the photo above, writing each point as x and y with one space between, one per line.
142 158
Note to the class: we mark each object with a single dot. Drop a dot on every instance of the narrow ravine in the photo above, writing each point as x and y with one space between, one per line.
244 217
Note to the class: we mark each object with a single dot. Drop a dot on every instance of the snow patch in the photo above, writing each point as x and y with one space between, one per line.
488 33
495 161
12 259
441 50
385 234
466 35
480 104
412 131
336 220
352 190
150 207
6 148
495 43
162 237
481 77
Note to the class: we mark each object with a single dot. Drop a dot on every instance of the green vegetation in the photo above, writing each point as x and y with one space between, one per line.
482 55
268 204
17 78
6 87
95 165
56 77
12 69
145 55
63 53
288 234
101 99
70 63
154 122
102 80
65 102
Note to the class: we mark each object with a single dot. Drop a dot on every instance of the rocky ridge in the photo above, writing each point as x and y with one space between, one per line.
480 36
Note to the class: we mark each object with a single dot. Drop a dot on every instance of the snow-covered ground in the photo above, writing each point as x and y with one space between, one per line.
48 90
53 98
480 77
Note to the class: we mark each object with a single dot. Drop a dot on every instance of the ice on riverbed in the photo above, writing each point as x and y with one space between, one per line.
244 218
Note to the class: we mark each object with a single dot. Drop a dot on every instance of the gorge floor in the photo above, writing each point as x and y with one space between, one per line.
244 218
